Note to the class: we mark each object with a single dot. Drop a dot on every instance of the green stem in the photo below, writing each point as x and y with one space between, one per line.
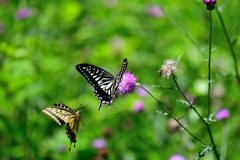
177 120
190 104
209 87
163 87
209 66
230 44
195 110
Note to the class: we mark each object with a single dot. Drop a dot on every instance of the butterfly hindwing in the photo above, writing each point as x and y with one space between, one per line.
104 83
71 135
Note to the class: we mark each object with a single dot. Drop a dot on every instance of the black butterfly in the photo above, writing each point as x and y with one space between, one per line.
104 83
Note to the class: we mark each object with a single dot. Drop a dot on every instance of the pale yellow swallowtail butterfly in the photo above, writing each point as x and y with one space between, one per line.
63 114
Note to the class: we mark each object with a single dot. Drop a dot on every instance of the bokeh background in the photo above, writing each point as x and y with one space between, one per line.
41 42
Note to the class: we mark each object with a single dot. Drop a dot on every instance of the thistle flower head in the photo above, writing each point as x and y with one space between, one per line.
138 106
2 28
222 114
177 157
155 11
210 4
168 69
127 84
62 148
23 13
99 143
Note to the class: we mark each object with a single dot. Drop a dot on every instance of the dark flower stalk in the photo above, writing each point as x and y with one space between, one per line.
205 122
128 84
169 113
209 87
168 70
230 44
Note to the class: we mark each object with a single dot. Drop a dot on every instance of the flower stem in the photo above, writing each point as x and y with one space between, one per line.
163 87
177 120
190 104
209 86
205 122
230 44
209 65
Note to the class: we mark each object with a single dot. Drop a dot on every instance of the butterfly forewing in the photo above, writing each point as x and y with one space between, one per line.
104 83
59 112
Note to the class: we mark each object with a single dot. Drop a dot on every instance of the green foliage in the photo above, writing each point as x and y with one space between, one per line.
38 56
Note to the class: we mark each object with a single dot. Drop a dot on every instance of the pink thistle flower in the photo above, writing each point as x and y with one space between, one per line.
155 11
222 114
2 28
138 106
23 13
127 84
62 148
99 143
210 4
177 157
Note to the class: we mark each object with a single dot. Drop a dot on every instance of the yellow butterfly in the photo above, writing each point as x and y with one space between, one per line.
63 114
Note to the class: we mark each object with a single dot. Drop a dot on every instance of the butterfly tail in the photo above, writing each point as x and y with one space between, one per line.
110 104
100 106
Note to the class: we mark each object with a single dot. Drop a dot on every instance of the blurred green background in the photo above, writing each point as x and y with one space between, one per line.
40 47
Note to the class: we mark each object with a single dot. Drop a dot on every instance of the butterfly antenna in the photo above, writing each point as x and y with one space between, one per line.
83 118
113 70
80 106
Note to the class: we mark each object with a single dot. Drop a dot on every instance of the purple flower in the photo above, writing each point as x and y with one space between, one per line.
222 114
2 28
127 84
138 106
177 157
110 3
23 13
117 44
155 11
141 92
62 148
99 143
210 4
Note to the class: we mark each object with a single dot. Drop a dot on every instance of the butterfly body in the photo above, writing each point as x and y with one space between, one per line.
104 83
63 114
